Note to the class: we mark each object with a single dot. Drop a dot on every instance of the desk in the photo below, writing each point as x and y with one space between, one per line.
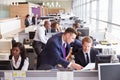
27 46
49 75
108 49
4 56
31 28
9 24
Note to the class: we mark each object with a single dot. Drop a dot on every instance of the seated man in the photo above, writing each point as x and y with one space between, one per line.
86 54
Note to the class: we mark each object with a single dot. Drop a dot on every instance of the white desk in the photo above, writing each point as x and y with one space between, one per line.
107 49
31 28
9 24
4 56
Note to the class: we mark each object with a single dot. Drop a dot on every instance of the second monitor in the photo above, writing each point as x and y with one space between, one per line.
84 31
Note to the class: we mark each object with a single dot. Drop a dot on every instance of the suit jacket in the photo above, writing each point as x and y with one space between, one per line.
52 54
33 20
80 59
27 23
77 44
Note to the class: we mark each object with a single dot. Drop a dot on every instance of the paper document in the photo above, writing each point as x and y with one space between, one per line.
90 66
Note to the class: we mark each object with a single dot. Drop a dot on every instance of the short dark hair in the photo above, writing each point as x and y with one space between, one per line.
70 30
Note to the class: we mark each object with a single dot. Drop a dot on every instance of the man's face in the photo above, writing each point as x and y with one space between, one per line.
86 46
70 37
48 25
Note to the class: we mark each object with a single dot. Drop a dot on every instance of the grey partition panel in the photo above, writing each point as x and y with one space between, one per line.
87 75
52 75
41 74
2 75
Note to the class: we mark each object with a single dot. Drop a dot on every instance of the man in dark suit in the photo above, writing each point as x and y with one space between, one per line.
86 54
54 54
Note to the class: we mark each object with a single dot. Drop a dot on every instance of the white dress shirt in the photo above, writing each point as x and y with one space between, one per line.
40 35
88 56
25 65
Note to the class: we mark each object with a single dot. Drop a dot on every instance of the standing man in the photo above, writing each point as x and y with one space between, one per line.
86 54
40 38
35 19
56 50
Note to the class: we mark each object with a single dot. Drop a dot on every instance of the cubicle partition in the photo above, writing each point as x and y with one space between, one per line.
48 75
8 25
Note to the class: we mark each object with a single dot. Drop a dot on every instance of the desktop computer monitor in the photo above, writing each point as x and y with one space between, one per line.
84 31
102 59
6 65
109 71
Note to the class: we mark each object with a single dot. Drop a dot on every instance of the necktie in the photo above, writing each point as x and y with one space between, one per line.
64 51
45 32
87 58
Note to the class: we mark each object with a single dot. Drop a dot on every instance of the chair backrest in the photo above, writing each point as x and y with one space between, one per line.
31 34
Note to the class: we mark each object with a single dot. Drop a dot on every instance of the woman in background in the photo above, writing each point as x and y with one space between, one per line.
18 56
27 20
55 27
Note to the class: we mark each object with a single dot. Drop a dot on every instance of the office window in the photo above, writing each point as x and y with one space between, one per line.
116 12
84 12
102 26
103 10
88 0
93 25
115 32
94 9
88 13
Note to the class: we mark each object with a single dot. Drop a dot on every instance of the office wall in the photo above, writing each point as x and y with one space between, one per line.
4 7
66 4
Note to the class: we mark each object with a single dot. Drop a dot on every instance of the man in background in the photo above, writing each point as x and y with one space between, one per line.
40 38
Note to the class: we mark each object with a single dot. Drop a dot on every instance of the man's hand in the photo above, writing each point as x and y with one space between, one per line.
76 66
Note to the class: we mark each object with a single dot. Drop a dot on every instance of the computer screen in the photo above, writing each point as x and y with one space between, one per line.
102 59
84 31
109 71
6 65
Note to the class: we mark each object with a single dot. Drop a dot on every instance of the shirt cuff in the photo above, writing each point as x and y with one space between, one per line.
69 65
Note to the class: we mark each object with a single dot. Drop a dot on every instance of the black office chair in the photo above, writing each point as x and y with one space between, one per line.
31 34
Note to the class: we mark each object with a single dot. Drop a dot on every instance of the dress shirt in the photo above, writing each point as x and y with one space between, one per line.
25 65
40 35
86 56
63 43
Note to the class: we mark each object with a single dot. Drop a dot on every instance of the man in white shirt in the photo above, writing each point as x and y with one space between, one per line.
40 38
